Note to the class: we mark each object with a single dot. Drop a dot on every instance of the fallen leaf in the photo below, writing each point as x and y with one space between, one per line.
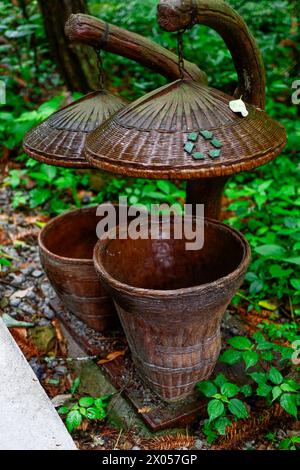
61 400
60 337
112 356
267 305
44 338
145 409
83 426
4 239
24 343
21 294
238 106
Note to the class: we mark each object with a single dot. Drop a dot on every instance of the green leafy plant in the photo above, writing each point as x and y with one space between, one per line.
228 401
289 443
270 383
85 408
224 405
75 385
274 387
281 331
5 259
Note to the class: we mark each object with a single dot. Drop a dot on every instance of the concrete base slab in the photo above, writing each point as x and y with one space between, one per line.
28 420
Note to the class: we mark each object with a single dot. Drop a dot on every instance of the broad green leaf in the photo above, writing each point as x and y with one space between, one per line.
106 398
73 420
92 413
295 283
238 408
229 389
263 390
221 397
267 355
101 414
95 413
5 262
293 260
221 424
215 409
289 387
49 171
264 346
86 402
220 380
285 444
63 410
275 376
240 342
75 385
250 358
271 251
277 271
99 403
256 287
246 390
207 388
209 433
288 403
231 356
259 337
164 186
276 392
39 196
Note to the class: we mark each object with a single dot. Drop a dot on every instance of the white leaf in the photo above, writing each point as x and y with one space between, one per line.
238 106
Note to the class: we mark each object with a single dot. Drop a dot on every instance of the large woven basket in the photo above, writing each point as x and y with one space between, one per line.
147 138
171 301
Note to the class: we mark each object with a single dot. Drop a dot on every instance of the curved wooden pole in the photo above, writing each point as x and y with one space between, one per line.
175 15
92 31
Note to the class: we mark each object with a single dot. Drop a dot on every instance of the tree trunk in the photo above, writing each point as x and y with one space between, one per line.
207 191
76 64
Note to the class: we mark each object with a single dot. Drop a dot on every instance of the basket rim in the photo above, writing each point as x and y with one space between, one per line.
51 225
163 294
56 160
142 170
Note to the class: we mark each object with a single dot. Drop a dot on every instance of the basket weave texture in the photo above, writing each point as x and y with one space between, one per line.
147 137
60 139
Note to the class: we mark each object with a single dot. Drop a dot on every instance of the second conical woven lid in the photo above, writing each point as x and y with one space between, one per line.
60 139
184 130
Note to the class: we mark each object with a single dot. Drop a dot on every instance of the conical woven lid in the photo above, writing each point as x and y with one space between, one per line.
60 139
184 130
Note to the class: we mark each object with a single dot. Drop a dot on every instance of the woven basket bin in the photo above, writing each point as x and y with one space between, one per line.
66 250
171 301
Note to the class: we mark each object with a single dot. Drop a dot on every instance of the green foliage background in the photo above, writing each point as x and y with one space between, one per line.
263 204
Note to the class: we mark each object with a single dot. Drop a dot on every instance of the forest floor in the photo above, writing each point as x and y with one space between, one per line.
25 305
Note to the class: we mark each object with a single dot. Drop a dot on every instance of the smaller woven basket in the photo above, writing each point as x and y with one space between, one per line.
60 139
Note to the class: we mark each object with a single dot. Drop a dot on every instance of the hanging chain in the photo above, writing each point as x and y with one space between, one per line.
180 53
102 43
100 69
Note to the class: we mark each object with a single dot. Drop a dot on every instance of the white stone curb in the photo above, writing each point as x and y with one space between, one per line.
28 420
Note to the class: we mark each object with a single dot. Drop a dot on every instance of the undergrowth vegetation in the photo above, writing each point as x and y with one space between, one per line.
264 204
